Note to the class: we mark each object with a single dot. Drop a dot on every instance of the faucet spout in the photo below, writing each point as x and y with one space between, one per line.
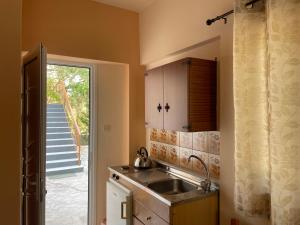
207 182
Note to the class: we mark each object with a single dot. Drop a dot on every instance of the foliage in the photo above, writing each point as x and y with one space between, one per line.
76 80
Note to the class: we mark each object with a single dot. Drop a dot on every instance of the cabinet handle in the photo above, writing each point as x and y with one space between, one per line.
167 107
148 218
187 127
159 107
122 210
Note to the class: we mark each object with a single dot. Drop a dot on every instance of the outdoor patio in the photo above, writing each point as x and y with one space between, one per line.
67 196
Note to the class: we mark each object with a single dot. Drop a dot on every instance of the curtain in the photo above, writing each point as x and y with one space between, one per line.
267 110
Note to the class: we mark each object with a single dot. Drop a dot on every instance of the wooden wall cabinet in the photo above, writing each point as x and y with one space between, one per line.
182 96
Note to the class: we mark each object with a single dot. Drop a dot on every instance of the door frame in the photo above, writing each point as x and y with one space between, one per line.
92 200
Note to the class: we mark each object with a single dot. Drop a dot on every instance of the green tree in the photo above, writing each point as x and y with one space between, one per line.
76 80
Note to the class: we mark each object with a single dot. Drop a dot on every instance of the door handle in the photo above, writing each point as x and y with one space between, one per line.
122 210
159 107
167 107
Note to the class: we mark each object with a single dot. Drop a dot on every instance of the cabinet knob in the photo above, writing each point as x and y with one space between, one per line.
187 127
167 107
159 107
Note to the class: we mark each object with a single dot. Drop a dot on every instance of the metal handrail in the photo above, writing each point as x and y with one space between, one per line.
71 116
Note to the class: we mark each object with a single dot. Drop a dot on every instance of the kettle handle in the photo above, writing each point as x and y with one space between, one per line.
143 151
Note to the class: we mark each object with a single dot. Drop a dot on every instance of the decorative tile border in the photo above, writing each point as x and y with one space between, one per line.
175 148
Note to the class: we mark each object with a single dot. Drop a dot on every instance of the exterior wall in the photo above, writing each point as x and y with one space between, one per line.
87 29
10 116
170 27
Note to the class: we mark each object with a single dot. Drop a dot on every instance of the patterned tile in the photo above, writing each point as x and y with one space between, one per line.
186 140
162 155
154 147
163 136
173 154
154 135
164 145
214 142
184 155
200 141
173 137
214 165
197 165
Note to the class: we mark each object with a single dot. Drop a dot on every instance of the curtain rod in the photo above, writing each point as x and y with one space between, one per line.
248 5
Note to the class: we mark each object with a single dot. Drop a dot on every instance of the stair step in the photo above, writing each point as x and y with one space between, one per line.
56 119
56 114
61 155
60 148
55 105
61 163
49 110
59 135
57 124
64 170
57 129
59 141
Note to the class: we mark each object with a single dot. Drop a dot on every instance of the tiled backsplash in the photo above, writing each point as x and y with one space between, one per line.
175 148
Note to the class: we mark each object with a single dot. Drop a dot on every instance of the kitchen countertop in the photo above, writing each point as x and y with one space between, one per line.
141 178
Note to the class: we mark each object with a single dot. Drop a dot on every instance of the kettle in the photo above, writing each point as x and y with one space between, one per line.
142 160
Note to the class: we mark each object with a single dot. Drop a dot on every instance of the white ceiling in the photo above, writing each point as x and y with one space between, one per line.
134 5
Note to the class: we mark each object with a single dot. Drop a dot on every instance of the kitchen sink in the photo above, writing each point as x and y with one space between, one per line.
172 187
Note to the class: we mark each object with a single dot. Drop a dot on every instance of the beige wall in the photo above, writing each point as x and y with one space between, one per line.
113 125
10 73
87 29
173 27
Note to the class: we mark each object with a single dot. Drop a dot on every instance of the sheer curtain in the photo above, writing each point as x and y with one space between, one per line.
267 110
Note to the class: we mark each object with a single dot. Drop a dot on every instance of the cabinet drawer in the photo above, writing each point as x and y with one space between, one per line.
146 216
136 221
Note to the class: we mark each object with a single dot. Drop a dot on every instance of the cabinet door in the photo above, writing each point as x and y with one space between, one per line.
154 98
176 96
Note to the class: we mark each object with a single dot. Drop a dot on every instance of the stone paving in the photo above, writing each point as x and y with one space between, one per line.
67 196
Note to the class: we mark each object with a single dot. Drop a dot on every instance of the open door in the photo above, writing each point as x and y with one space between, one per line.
33 136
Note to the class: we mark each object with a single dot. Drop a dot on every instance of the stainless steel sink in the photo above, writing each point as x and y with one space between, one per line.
172 187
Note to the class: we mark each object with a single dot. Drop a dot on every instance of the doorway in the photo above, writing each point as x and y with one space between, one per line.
68 145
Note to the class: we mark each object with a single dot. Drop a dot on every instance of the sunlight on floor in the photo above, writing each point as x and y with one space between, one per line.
67 196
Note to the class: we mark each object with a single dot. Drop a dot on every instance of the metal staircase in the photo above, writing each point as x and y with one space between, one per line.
61 154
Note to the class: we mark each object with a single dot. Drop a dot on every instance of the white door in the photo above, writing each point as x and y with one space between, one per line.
118 204
176 96
154 86
33 136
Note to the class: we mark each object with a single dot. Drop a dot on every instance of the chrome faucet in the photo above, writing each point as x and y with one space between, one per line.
207 183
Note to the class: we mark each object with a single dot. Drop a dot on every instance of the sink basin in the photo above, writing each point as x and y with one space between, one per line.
171 186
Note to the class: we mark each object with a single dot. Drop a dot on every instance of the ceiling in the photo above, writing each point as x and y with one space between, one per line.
134 5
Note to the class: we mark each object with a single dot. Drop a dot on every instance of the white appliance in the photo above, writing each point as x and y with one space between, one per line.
118 204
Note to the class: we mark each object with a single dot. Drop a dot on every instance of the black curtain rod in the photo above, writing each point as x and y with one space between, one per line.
248 5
